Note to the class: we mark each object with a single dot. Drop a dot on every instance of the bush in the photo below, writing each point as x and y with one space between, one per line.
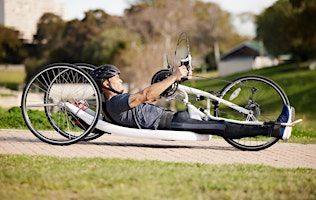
12 118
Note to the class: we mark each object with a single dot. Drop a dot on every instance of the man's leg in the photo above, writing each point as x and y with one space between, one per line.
182 121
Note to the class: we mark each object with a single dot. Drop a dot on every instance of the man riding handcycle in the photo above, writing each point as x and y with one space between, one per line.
136 110
251 112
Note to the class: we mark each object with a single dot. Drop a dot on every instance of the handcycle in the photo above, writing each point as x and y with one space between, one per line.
66 97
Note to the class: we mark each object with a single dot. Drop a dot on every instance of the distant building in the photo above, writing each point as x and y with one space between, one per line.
23 15
247 56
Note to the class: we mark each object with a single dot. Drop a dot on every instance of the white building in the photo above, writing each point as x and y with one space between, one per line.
247 56
23 15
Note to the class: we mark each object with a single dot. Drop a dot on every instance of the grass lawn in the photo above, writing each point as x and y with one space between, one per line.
43 177
12 75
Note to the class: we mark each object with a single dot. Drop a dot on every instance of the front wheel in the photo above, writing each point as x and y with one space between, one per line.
259 94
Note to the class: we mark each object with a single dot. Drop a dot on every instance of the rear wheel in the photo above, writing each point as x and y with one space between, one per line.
259 94
44 103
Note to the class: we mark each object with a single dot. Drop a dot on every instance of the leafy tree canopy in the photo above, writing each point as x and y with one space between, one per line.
288 26
11 47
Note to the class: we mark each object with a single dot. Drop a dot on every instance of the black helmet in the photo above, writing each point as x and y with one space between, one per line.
104 72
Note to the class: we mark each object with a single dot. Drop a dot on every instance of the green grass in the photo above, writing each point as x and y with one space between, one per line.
303 136
12 75
6 95
12 118
42 177
12 78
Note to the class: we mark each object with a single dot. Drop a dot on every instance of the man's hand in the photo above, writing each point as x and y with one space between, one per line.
183 72
152 92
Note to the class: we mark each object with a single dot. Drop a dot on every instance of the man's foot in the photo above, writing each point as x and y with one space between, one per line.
286 116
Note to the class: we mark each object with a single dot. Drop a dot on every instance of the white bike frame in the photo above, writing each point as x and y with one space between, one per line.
195 113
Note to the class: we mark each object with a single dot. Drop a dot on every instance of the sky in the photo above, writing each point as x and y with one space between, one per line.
76 9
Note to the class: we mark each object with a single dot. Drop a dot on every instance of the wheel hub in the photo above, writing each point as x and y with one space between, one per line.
255 110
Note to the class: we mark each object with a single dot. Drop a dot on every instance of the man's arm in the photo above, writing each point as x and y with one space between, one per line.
152 92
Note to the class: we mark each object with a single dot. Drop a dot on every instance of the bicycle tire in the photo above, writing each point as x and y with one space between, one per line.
47 91
269 99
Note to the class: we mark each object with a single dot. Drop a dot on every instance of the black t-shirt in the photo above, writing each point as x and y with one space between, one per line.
145 115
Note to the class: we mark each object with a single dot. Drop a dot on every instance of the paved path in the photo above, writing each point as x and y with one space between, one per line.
216 151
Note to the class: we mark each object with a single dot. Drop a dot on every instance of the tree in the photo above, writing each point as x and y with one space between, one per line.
78 35
60 41
305 24
109 45
48 37
160 22
272 26
288 26
11 47
50 28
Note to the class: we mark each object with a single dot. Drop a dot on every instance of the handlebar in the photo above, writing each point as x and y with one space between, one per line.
186 62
